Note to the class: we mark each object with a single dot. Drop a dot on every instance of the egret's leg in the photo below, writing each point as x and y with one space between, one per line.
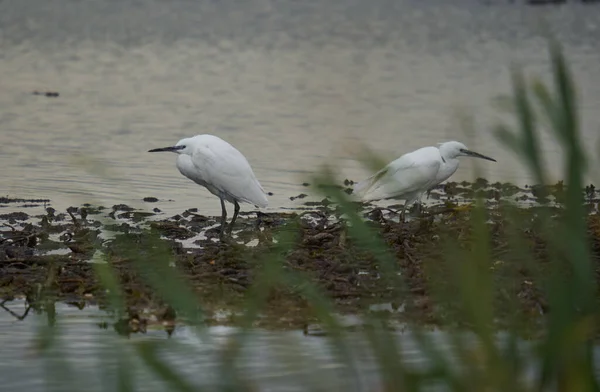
406 204
419 208
403 211
223 219
236 211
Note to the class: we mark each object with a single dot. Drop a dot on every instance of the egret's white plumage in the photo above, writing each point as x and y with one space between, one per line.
414 173
219 167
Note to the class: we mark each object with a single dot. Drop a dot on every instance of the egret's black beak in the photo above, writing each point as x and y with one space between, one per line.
169 149
477 155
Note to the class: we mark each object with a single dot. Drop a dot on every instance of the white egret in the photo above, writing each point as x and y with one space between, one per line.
223 170
414 173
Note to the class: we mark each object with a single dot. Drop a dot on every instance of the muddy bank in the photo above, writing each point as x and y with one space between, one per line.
54 257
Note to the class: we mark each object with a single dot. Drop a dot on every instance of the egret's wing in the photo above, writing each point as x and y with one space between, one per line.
402 177
224 168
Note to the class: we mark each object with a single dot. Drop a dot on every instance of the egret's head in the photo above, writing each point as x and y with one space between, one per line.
182 147
454 149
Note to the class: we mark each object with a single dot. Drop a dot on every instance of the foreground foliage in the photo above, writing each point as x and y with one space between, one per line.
528 271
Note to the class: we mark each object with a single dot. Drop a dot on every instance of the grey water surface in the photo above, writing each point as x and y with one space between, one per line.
292 84
269 360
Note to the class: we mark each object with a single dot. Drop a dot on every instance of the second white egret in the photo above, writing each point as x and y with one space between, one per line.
219 167
414 173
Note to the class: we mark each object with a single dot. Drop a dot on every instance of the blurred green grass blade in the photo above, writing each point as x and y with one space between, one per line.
511 357
508 138
504 103
518 262
565 94
358 230
570 239
575 231
115 367
59 373
546 102
153 259
524 142
48 341
256 300
109 281
480 293
268 277
471 276
387 351
439 365
325 312
124 372
576 161
571 294
148 352
470 366
525 114
269 274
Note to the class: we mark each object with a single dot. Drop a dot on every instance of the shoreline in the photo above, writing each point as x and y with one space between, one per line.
54 257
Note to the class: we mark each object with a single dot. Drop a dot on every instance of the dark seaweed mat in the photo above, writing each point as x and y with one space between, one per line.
222 273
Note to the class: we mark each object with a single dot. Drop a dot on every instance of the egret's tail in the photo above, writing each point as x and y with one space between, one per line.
259 198
263 201
252 193
364 188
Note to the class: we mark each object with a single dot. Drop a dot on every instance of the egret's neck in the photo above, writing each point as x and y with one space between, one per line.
449 159
447 169
447 154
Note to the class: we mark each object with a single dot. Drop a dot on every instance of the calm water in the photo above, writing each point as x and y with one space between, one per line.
291 84
270 361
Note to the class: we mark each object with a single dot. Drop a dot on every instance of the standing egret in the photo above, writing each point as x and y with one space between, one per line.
414 173
223 170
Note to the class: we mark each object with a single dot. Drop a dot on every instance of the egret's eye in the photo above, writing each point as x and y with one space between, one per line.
462 150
